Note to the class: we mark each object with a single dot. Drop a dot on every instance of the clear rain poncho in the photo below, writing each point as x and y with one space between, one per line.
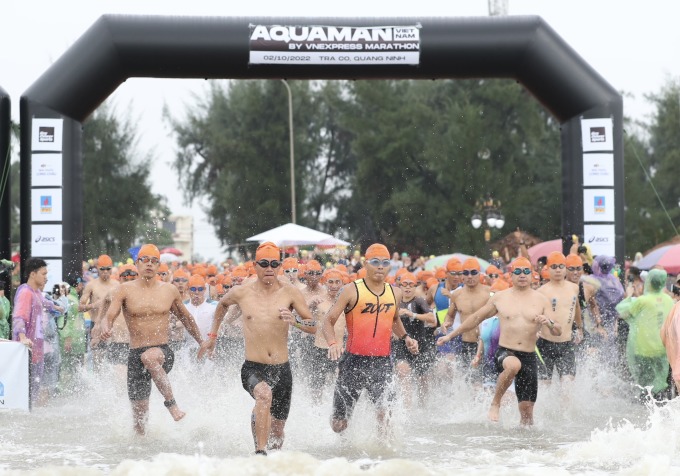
645 352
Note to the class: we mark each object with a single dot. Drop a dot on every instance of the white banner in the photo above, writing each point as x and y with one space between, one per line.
598 205
46 134
46 241
325 44
46 204
54 273
598 170
601 239
597 134
46 170
13 376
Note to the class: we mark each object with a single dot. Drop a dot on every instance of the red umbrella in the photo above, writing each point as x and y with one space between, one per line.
544 249
173 251
667 256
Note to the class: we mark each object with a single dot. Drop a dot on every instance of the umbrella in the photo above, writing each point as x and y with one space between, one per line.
441 260
172 250
168 257
291 234
544 249
667 256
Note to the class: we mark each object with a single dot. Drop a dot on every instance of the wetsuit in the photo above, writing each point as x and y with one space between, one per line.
366 364
423 360
441 304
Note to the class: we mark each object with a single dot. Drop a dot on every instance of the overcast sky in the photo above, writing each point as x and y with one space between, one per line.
633 45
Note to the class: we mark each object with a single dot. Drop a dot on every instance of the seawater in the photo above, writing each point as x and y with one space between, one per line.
591 426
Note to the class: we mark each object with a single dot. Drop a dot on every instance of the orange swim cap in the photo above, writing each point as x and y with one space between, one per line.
149 250
453 263
377 250
408 278
290 263
556 257
313 265
332 274
341 267
573 260
432 282
440 273
521 262
471 263
180 273
268 251
239 272
104 261
163 268
196 281
361 273
491 269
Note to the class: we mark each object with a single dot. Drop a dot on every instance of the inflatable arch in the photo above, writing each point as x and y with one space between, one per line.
117 47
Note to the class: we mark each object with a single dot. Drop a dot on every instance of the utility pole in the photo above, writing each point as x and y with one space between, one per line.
292 152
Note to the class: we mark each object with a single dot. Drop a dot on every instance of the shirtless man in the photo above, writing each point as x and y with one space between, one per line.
466 300
177 336
521 313
118 349
323 367
146 304
558 351
266 305
92 300
370 306
291 267
593 329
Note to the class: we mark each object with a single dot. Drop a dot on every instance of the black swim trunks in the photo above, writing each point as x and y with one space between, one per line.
117 352
526 380
421 362
138 378
558 355
278 377
356 373
323 367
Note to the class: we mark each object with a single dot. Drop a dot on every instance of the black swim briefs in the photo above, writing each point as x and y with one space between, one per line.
278 377
526 380
138 378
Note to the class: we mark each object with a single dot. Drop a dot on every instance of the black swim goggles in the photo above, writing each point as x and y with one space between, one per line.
263 263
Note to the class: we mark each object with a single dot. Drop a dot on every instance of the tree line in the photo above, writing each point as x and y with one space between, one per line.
397 161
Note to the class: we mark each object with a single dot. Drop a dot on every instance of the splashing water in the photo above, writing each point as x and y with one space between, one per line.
590 426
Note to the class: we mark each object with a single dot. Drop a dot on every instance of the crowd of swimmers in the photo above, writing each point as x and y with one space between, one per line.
375 324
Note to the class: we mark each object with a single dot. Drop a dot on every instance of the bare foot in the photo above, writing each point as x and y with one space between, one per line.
176 413
494 411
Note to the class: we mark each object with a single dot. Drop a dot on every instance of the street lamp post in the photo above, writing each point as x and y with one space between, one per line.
488 211
292 150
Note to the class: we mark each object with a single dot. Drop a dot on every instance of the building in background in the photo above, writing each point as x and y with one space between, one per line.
182 229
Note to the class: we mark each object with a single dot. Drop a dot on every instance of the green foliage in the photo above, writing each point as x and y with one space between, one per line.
119 209
655 149
234 149
420 169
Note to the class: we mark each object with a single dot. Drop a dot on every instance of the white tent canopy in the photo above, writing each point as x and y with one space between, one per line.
291 234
